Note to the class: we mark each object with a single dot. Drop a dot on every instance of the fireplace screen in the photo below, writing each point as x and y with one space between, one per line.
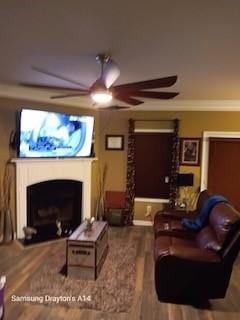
54 208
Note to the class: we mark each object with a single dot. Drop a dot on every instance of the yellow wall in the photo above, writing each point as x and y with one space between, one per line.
192 124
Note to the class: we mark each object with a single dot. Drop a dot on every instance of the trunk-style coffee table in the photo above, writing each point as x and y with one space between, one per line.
86 251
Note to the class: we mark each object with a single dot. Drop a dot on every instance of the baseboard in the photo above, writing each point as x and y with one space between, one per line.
142 223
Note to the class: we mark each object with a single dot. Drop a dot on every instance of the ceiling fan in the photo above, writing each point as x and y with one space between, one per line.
102 90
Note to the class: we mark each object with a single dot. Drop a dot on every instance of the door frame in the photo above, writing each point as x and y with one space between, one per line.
205 151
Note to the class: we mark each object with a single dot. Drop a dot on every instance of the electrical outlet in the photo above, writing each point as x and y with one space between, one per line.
148 210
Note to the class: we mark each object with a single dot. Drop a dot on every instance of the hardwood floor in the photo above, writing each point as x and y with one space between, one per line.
18 264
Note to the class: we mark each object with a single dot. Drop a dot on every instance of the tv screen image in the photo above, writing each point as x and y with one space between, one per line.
52 134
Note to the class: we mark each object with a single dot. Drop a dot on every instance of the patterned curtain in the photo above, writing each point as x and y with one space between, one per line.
130 187
174 165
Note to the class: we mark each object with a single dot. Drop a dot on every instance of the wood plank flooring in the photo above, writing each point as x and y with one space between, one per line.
18 264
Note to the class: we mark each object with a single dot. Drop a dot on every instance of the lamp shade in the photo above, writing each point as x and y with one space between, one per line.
185 179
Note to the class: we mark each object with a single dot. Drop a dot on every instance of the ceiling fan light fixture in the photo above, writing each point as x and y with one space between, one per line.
101 96
99 93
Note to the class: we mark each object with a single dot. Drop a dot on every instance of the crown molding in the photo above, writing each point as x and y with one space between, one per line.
190 105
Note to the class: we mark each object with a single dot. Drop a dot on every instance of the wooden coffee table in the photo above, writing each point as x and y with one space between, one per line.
86 252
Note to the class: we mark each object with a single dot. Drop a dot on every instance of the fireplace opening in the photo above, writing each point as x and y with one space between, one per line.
53 209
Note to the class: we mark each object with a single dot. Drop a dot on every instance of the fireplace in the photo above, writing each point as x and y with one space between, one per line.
54 208
34 171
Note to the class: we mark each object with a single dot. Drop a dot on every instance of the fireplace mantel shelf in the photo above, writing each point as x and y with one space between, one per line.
29 160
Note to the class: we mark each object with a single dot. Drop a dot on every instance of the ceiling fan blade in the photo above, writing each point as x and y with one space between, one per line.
69 95
148 84
58 76
153 94
127 99
114 108
40 86
110 73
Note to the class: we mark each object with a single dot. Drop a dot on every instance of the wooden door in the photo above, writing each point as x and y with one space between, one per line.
153 164
224 169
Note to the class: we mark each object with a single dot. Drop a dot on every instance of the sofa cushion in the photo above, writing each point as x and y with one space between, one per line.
206 239
203 196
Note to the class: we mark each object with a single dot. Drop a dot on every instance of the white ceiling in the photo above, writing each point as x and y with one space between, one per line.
197 40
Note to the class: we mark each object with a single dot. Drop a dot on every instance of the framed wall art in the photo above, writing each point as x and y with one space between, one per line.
114 142
190 151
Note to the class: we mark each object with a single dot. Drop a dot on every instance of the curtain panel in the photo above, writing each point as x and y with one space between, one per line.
130 187
174 165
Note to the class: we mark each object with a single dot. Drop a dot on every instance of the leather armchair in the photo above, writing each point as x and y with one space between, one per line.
199 268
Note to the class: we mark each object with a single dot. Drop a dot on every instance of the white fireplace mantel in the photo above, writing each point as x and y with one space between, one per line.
30 171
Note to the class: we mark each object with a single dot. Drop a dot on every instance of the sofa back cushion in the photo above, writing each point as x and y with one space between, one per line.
222 219
206 239
203 196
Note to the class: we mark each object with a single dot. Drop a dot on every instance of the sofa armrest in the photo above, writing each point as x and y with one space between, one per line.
194 254
177 214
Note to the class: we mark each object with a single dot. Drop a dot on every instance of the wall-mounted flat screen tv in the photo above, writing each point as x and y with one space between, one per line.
52 134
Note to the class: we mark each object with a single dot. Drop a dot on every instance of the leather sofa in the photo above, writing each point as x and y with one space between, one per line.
197 267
